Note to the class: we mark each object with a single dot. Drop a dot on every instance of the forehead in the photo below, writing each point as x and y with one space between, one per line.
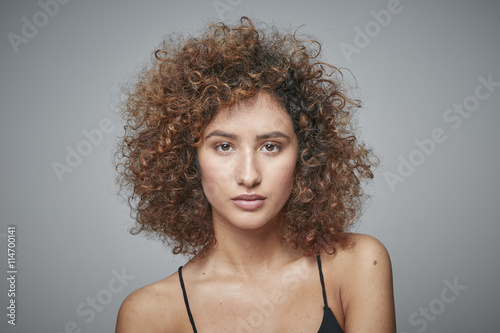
261 113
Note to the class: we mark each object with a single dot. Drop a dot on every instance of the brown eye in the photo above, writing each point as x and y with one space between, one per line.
223 147
271 148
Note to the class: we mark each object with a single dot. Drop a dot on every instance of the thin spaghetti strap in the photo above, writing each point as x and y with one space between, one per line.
186 302
322 280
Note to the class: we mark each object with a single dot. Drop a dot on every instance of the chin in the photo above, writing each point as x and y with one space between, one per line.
251 221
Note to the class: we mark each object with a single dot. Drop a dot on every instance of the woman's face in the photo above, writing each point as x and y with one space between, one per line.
247 157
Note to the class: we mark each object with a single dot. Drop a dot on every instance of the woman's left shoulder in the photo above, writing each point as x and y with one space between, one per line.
362 263
365 281
366 249
360 251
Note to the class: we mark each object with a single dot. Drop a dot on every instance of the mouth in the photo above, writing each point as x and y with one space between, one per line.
249 201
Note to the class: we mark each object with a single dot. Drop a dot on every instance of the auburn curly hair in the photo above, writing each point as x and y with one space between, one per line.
172 100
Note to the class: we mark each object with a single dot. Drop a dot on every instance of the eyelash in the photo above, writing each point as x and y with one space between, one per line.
218 147
277 147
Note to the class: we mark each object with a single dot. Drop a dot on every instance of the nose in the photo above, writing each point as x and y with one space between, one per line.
248 171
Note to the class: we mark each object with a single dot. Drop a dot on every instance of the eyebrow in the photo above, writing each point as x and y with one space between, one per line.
274 134
269 135
222 134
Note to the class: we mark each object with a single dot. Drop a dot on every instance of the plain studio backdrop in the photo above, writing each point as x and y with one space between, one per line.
428 74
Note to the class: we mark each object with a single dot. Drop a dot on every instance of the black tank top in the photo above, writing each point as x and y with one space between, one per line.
329 324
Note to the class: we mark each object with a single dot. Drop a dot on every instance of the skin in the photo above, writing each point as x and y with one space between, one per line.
251 281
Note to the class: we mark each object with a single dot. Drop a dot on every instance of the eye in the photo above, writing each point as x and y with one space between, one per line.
223 147
271 148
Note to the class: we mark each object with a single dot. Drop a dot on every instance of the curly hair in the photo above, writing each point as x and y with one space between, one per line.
173 99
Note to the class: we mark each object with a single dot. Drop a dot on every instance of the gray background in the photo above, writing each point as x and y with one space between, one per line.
440 224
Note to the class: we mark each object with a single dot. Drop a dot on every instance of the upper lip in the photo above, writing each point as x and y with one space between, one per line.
248 197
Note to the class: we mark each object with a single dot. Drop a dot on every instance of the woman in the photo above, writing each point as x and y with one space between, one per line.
239 151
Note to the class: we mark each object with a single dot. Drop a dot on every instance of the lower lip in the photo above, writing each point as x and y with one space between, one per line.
249 204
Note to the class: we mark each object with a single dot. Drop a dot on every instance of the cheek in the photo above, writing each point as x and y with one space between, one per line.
214 178
284 177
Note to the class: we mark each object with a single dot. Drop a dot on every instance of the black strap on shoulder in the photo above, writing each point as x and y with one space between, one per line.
186 302
322 280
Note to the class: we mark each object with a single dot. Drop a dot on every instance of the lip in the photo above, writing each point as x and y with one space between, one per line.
249 201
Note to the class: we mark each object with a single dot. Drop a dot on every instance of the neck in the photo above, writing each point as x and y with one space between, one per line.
249 252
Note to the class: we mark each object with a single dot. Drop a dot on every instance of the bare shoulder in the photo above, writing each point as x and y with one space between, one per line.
366 261
366 251
153 308
361 251
366 285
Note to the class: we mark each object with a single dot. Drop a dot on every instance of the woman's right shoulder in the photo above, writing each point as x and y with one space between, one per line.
158 307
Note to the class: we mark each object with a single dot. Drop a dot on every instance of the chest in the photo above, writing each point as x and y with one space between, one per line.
291 303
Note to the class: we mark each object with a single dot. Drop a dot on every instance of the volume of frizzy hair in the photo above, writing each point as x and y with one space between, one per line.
171 101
